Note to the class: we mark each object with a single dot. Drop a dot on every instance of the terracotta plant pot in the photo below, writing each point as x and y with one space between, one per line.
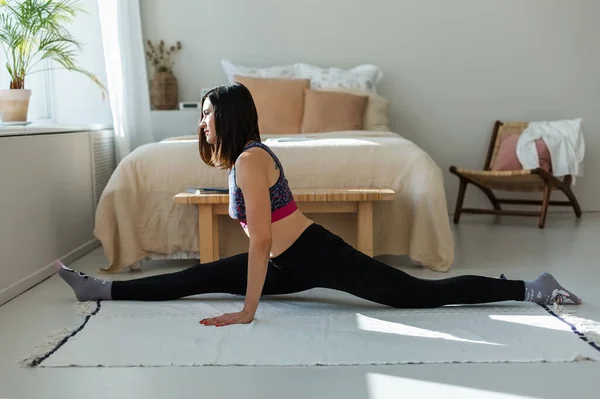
164 91
14 105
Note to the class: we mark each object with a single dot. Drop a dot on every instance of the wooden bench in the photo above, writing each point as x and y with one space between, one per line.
328 200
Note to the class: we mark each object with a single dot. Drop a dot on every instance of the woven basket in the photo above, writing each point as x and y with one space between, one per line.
164 91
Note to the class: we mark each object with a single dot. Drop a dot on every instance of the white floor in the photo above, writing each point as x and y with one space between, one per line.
567 248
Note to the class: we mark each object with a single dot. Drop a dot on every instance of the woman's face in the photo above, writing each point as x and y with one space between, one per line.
208 122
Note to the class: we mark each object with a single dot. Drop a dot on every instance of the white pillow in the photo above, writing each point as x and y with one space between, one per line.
362 77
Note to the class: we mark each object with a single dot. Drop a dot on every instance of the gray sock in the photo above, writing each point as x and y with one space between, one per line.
86 288
546 290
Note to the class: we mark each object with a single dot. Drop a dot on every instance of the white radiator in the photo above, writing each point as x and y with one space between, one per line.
104 161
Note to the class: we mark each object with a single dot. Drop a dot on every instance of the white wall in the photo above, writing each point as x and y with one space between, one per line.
75 99
451 68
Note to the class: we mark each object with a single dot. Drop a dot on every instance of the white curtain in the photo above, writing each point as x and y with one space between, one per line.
126 73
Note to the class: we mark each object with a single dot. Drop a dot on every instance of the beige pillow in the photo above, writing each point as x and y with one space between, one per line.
279 102
330 111
377 111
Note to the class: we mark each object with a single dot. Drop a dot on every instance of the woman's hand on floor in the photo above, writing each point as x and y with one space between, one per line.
243 317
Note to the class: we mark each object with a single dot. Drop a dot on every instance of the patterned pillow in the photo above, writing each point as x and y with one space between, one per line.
362 77
276 71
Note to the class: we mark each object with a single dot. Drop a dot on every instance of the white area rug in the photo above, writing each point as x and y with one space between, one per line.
317 327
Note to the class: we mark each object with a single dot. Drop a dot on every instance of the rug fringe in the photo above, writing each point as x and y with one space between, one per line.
85 308
55 338
52 340
589 328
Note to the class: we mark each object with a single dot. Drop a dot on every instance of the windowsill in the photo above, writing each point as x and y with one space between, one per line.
43 127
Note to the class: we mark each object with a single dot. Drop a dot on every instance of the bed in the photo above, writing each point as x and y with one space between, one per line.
136 218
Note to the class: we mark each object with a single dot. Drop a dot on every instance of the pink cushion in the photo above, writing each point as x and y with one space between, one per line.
507 155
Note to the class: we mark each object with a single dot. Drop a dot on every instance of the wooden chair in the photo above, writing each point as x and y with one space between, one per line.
533 180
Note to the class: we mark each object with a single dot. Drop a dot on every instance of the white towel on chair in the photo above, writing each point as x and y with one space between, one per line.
565 142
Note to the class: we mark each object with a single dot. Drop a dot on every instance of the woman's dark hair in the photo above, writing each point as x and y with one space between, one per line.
236 124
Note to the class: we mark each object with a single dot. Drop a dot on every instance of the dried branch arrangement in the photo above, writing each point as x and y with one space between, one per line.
161 58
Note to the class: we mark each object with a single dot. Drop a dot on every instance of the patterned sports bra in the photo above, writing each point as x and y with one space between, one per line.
282 200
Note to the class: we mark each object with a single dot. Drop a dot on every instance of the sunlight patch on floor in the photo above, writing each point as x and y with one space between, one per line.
548 321
382 386
382 326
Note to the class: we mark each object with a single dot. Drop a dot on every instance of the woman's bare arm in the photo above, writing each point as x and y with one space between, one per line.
252 178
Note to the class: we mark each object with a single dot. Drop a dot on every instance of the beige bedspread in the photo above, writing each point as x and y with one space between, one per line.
136 216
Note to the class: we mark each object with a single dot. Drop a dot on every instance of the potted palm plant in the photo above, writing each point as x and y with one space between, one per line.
31 32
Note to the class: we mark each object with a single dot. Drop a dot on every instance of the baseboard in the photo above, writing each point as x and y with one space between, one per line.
23 285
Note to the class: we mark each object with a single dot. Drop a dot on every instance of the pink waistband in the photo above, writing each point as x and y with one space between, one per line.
280 213
284 211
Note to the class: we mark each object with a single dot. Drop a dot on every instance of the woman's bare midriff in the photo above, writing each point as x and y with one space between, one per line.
286 231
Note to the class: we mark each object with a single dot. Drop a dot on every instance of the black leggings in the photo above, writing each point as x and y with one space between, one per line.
320 258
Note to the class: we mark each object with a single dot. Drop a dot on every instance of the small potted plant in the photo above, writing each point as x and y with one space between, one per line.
32 31
164 91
